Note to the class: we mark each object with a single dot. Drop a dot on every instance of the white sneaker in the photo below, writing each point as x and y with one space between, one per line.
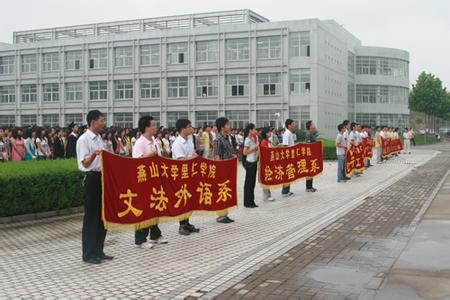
145 245
159 241
271 199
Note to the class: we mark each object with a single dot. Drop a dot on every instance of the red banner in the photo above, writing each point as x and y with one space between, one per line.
354 159
390 145
142 191
282 165
367 145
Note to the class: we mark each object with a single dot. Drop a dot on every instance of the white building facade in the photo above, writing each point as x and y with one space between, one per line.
236 64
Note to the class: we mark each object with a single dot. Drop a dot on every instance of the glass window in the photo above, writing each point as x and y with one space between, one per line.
74 91
177 53
7 64
7 120
268 47
236 85
207 86
268 84
150 54
29 63
50 62
155 114
177 87
98 58
74 118
123 120
267 118
174 116
73 60
98 90
28 120
238 118
299 44
150 88
51 92
50 120
123 89
299 81
29 93
204 118
7 94
123 56
206 51
236 49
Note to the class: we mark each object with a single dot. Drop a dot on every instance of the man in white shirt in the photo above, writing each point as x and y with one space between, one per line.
288 140
88 148
407 141
183 149
146 146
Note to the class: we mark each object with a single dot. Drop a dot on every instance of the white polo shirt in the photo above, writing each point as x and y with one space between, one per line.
87 144
143 147
182 148
288 138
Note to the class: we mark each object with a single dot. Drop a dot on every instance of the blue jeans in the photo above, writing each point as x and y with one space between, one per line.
340 169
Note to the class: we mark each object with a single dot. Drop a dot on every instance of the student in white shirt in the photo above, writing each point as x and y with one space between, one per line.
407 141
251 165
340 153
288 140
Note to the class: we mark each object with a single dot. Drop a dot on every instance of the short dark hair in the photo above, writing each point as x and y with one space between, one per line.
288 122
144 122
93 115
308 124
345 123
340 127
221 122
181 124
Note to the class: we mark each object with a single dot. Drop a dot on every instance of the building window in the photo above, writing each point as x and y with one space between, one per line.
73 60
123 56
50 62
300 81
7 65
177 87
236 85
236 49
177 53
204 118
206 51
29 63
28 120
150 54
29 93
74 91
382 94
123 120
156 115
268 47
74 118
98 58
267 118
368 65
98 90
299 44
123 89
207 86
366 93
150 88
238 118
50 120
51 92
174 116
268 84
300 114
7 94
7 120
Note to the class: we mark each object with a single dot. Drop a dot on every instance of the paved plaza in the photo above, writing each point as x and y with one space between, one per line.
338 242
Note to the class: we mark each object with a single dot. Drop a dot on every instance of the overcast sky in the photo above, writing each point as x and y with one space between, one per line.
421 27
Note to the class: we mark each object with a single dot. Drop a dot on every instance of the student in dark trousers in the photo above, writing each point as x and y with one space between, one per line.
88 149
310 137
250 164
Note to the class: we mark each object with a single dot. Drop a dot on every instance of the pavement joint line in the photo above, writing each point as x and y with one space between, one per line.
295 236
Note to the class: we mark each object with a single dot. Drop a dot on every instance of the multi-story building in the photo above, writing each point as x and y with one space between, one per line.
201 66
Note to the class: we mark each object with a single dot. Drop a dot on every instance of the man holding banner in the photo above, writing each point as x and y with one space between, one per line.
288 140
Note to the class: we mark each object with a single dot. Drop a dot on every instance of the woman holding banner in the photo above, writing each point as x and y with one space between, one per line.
250 164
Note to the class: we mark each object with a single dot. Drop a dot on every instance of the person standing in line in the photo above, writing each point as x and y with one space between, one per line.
223 150
183 149
341 147
407 141
266 135
3 154
30 148
58 145
146 146
377 148
72 142
288 140
310 137
250 165
17 145
88 149
43 149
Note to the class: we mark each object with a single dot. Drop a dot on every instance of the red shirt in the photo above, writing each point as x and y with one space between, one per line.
264 143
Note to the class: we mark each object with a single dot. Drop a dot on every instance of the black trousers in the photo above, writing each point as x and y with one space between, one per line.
93 232
140 236
250 181
286 189
309 183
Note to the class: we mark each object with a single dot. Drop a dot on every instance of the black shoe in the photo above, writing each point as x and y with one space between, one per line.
347 178
192 228
106 257
95 260
184 231
229 220
224 220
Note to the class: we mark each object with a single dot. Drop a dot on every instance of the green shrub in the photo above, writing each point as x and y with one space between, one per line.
38 186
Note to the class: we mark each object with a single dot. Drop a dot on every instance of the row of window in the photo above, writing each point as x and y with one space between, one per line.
390 120
267 84
177 53
371 65
381 94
